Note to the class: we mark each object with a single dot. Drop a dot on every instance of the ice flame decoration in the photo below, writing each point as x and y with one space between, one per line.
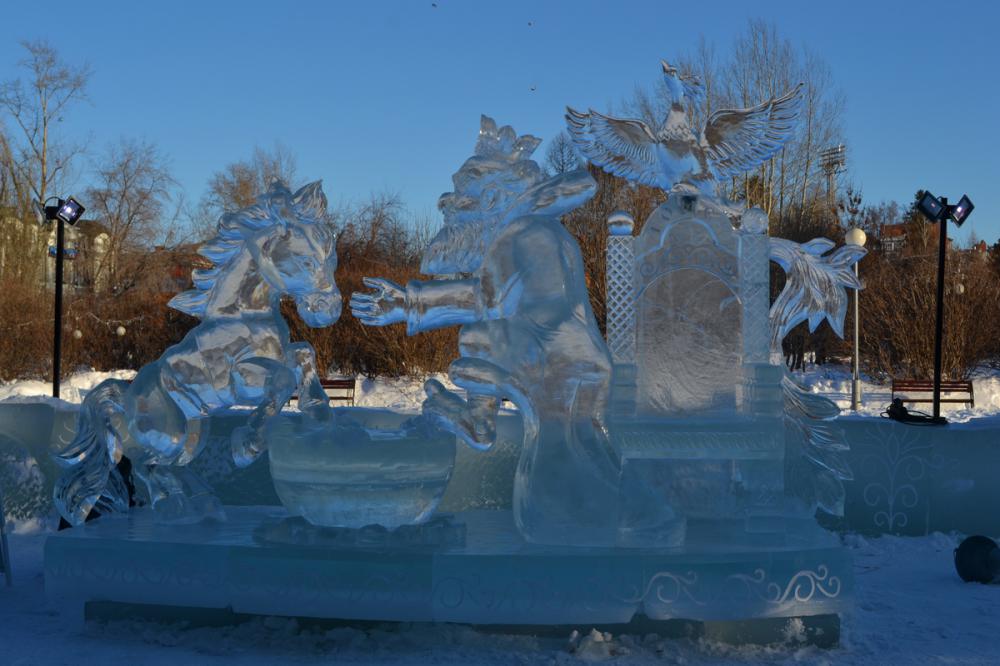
816 287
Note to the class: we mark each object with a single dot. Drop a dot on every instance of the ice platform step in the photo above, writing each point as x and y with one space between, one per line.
492 577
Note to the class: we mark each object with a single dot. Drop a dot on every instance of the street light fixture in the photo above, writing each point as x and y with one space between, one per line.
70 211
66 211
939 210
856 237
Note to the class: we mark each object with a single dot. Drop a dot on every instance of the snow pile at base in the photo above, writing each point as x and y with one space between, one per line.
71 390
911 608
405 394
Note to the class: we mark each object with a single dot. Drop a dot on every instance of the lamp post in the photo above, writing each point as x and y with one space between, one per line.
939 210
856 237
66 211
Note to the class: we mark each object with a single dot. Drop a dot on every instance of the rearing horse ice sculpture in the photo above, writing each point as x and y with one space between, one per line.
239 355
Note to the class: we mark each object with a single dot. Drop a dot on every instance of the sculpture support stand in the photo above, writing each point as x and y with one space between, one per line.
495 578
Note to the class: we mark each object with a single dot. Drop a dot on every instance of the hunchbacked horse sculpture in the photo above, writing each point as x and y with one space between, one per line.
239 355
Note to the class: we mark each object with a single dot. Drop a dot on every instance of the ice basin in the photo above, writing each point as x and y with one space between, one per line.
355 471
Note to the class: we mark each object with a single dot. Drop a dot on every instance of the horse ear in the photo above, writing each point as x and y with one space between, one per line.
311 199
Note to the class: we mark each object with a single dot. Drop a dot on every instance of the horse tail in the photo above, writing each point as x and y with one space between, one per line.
89 478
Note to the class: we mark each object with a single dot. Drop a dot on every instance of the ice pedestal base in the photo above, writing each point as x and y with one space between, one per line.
495 578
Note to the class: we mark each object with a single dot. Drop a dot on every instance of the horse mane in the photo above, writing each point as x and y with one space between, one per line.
307 206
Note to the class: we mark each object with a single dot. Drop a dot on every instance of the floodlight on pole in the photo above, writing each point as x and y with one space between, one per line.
70 211
66 211
832 160
939 210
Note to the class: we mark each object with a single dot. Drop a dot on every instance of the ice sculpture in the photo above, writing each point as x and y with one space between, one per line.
528 334
699 409
360 470
733 140
239 355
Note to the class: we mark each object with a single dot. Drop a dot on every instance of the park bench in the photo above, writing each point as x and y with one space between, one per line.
908 387
337 390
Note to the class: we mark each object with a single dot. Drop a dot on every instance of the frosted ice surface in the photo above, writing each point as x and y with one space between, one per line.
240 354
688 311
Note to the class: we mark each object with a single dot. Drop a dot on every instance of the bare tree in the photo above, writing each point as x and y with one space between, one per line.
52 86
129 197
239 183
760 65
561 156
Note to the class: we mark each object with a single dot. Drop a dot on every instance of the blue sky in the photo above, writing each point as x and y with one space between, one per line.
377 96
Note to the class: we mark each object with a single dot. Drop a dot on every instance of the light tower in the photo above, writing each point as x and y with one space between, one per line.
833 161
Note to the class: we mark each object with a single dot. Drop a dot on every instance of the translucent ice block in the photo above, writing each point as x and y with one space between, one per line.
339 475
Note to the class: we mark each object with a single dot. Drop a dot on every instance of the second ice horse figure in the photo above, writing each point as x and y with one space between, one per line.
239 355
528 334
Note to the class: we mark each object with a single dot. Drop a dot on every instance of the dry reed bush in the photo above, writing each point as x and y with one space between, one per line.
351 348
897 306
150 327
26 319
25 332
898 309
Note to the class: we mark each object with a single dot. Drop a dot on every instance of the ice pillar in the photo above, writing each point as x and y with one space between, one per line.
621 312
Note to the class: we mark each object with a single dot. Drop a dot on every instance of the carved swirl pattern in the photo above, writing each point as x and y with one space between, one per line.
898 460
803 587
669 588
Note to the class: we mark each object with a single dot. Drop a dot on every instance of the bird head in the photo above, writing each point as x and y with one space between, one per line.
675 87
682 88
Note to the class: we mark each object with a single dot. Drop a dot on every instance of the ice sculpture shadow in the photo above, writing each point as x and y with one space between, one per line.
240 354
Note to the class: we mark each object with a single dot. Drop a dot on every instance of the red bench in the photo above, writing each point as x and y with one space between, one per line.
337 390
907 387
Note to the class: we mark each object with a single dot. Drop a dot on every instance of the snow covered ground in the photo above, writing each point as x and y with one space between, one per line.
911 608
406 394
834 381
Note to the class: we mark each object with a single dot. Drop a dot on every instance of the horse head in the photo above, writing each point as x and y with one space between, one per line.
298 257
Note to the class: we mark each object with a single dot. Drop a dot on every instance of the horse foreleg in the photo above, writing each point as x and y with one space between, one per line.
279 385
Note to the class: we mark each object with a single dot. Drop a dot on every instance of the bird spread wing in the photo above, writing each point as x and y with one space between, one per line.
621 147
737 140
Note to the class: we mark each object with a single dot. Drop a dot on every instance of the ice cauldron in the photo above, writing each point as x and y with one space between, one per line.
346 474
670 473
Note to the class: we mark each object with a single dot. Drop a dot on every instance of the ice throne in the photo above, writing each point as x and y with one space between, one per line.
697 406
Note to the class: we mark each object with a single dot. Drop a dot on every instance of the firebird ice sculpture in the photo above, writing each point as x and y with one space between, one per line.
732 142
239 355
